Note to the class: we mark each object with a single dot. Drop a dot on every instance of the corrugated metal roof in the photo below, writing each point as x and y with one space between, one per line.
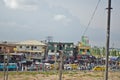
31 42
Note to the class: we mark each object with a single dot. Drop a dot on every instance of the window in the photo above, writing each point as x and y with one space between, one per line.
35 47
32 47
63 45
52 50
27 46
20 46
0 48
88 50
69 46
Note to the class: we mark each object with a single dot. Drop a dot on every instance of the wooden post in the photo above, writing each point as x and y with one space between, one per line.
60 66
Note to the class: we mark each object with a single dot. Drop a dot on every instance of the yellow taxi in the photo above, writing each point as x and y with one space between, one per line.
54 66
74 66
99 68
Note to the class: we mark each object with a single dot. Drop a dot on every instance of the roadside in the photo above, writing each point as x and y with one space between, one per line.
67 75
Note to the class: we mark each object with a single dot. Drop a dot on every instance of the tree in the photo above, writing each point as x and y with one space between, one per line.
103 51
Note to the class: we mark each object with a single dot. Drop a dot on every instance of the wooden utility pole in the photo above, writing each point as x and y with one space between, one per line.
4 69
7 62
107 39
55 57
5 65
61 65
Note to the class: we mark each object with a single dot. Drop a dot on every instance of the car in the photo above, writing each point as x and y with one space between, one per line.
99 68
35 67
67 67
74 66
115 68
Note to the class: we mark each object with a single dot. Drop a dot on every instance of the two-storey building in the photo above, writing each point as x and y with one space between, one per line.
54 47
32 49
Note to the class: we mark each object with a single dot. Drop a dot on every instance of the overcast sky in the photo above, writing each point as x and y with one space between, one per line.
64 20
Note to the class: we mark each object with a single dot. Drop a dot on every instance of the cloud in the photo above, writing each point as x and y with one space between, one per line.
59 17
62 19
20 4
11 3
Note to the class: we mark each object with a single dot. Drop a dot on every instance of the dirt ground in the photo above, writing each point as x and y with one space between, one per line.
69 75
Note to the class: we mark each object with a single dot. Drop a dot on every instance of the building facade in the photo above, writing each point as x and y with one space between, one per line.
83 46
6 47
54 47
31 48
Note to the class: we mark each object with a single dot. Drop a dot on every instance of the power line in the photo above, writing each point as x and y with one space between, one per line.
92 17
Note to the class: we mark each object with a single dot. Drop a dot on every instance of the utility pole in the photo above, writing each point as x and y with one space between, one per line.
55 57
61 65
4 69
6 62
7 65
60 61
107 39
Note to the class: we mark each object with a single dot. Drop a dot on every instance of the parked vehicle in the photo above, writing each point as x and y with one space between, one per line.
10 66
35 67
115 68
54 66
74 66
67 67
98 68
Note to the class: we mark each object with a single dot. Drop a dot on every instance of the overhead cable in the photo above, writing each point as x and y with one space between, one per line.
91 17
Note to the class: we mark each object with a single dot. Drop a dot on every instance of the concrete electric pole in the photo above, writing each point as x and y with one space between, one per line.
107 39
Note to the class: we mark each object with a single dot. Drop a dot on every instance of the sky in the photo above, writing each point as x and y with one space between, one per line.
64 20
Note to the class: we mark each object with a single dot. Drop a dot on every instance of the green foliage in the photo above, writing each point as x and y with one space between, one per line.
98 52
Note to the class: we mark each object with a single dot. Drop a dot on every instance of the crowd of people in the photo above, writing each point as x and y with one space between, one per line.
83 62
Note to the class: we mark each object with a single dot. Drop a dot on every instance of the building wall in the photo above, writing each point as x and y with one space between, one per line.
29 48
31 51
6 48
66 47
83 49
